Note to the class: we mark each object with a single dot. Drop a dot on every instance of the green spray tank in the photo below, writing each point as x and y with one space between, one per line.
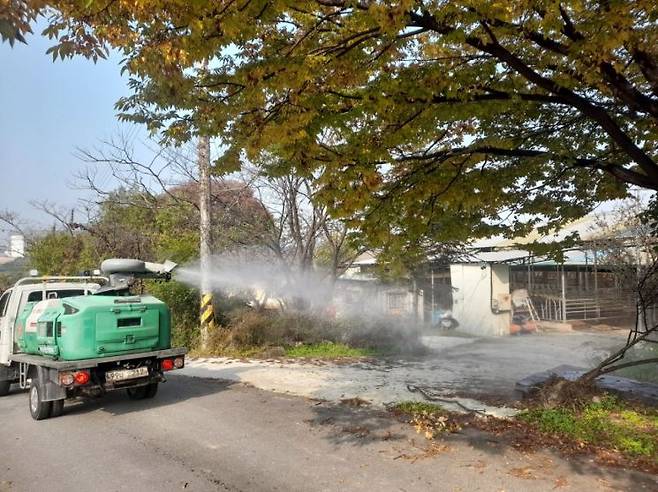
108 323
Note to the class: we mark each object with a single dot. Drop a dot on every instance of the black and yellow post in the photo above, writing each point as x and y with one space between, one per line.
207 314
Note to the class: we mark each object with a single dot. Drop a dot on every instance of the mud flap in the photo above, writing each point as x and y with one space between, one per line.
9 373
49 380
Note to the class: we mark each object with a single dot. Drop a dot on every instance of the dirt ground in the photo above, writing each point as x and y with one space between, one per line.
475 369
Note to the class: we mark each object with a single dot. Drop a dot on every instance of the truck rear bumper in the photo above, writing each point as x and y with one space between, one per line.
71 365
57 380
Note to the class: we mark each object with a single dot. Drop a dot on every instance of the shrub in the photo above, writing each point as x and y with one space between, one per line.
184 305
248 328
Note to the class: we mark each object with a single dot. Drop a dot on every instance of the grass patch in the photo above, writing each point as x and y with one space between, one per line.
606 422
412 408
230 352
327 350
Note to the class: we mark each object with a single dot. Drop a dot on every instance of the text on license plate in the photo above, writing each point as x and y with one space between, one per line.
123 374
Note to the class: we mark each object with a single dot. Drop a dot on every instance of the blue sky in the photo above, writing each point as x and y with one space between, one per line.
49 109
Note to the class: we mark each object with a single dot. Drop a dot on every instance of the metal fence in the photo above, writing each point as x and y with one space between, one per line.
571 306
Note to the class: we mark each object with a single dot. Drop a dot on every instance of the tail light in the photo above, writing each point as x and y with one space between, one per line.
81 377
167 364
179 362
66 378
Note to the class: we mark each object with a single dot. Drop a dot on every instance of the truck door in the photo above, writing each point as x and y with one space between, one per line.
5 327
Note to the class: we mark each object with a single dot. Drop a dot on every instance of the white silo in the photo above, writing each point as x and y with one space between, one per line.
16 246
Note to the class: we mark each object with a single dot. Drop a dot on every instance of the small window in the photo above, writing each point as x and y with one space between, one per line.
35 296
68 309
4 300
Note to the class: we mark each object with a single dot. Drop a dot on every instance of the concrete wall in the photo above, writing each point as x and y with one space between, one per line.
474 286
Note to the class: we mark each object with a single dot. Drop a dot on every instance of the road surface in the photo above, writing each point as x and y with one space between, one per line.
200 434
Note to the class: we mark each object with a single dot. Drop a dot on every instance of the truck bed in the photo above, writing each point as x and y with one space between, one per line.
66 365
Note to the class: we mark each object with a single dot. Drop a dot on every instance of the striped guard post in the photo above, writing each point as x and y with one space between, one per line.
207 310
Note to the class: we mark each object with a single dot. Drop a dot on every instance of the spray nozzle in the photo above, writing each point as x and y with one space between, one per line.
123 271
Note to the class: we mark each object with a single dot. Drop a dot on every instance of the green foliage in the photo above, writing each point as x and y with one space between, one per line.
134 224
176 237
12 271
422 122
61 253
184 304
606 422
326 350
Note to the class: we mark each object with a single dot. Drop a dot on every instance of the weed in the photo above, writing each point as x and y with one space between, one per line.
605 422
415 407
327 350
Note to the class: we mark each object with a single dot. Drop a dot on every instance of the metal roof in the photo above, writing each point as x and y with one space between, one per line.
499 256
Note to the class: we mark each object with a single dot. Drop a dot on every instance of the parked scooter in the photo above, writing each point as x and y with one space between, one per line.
444 320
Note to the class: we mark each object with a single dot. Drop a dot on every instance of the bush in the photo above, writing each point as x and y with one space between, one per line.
248 329
184 305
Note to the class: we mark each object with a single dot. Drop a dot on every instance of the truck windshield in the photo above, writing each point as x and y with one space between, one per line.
54 294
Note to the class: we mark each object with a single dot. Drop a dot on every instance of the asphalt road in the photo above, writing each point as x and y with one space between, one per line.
200 434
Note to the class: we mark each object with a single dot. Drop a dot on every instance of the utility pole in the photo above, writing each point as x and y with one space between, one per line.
207 314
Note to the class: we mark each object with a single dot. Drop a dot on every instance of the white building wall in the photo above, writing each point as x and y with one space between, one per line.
474 287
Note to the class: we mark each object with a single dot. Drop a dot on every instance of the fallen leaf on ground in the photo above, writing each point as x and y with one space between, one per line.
354 402
560 482
525 473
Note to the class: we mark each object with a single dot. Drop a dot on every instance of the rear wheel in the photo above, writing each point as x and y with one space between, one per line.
39 409
151 390
136 393
4 388
57 409
142 392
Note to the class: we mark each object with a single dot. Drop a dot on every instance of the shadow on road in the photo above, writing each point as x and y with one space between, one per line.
344 426
367 427
176 390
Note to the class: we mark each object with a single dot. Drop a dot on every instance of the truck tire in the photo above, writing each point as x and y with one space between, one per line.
136 393
4 388
39 409
57 409
143 392
151 390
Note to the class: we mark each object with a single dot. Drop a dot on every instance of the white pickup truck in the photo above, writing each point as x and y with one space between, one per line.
50 380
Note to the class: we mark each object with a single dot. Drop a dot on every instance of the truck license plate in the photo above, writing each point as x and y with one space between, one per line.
123 374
